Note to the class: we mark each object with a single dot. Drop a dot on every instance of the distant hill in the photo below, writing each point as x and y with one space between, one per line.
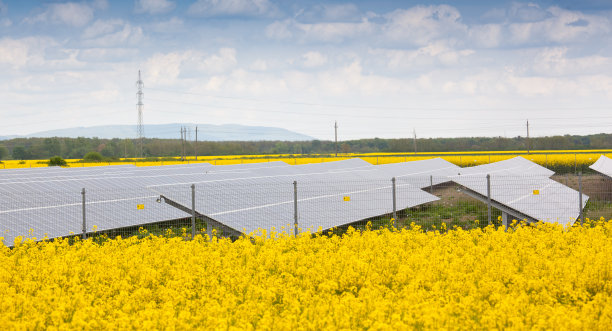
206 132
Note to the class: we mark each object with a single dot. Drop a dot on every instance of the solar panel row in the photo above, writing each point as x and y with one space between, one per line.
245 197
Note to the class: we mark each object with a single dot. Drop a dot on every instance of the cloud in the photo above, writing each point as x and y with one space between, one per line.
154 6
330 13
100 4
109 33
314 59
244 8
422 24
69 13
172 25
19 53
166 69
422 59
3 8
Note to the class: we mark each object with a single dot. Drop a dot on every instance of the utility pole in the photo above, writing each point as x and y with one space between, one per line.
336 132
195 147
528 143
182 144
414 140
140 106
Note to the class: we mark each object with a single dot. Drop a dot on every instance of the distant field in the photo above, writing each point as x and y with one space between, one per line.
560 161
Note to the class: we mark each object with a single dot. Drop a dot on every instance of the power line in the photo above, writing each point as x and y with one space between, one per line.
379 107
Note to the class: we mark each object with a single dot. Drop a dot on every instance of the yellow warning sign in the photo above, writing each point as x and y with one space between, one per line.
140 206
536 192
347 198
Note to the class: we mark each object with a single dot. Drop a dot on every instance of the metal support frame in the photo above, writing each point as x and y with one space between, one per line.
394 199
295 208
193 212
84 215
489 198
498 205
209 221
580 216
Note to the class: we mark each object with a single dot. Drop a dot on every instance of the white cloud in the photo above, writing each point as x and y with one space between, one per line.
279 30
252 8
259 65
3 8
422 59
100 4
5 22
19 53
69 13
314 59
165 69
111 33
154 6
420 25
102 27
330 12
172 25
555 61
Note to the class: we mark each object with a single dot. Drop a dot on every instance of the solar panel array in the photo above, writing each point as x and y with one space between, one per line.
603 165
525 188
245 197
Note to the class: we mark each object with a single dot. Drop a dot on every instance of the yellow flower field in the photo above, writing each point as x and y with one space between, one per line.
565 160
542 277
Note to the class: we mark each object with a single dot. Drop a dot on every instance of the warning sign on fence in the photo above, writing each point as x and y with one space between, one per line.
347 198
140 206
536 192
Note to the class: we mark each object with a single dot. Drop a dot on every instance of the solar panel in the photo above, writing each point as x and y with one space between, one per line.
603 165
422 173
325 200
516 165
523 189
38 201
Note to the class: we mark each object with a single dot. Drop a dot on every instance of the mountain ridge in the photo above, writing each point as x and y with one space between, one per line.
206 132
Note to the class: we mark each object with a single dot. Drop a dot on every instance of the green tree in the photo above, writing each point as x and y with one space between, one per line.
4 152
93 157
20 153
57 161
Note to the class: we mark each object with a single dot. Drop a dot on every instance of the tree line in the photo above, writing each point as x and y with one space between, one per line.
76 148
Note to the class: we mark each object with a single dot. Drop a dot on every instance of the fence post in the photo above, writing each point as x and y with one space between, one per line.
193 213
295 210
394 199
575 164
431 184
84 219
580 197
489 198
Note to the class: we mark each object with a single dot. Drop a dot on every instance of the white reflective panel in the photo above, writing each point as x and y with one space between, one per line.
514 166
324 200
422 173
603 165
538 197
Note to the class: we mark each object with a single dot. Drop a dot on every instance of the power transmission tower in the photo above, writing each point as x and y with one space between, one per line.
414 140
336 131
140 95
195 147
528 143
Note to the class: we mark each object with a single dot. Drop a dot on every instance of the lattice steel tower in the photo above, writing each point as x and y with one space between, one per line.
140 95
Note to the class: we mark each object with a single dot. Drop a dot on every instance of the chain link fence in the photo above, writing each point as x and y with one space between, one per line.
293 205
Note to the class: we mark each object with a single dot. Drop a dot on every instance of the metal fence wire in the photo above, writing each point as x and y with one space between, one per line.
300 204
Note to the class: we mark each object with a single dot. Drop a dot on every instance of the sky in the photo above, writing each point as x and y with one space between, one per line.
385 69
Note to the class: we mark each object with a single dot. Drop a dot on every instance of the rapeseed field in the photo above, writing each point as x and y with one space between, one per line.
529 277
560 161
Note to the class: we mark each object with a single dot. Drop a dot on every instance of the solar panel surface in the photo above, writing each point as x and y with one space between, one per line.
603 165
